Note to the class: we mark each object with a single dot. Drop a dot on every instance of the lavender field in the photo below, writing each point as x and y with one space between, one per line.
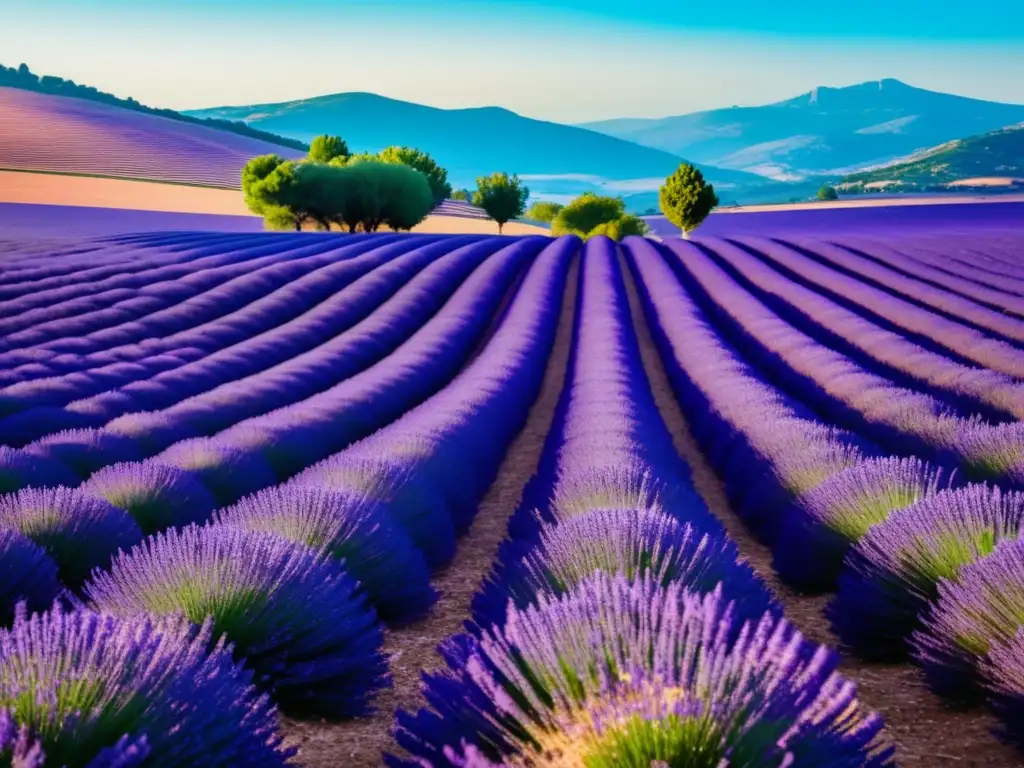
751 499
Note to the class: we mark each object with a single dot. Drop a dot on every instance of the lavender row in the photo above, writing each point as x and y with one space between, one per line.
363 284
901 420
936 300
580 644
200 325
921 271
890 354
924 326
966 266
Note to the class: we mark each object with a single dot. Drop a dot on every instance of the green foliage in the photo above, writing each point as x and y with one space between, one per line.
827 192
617 229
543 210
24 78
586 212
686 199
437 176
324 149
254 173
502 196
376 193
462 194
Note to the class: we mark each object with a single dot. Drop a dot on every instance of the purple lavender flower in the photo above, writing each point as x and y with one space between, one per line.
1003 672
21 469
294 615
78 531
630 542
155 495
626 674
27 574
153 431
88 690
86 450
983 608
824 522
408 498
893 571
228 472
354 529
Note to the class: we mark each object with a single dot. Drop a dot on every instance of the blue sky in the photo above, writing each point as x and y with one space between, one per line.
565 60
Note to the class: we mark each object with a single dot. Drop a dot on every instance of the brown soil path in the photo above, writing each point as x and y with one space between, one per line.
927 733
359 744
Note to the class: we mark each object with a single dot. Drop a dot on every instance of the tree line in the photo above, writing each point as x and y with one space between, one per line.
399 186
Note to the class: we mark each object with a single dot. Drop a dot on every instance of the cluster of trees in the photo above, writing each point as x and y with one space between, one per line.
330 187
27 80
591 214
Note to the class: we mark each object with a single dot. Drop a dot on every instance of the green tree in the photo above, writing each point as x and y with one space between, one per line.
617 229
325 148
587 212
294 194
462 194
502 196
827 192
369 194
544 211
437 176
686 199
253 173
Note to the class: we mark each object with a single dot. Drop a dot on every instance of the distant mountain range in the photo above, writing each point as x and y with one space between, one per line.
472 142
993 159
826 132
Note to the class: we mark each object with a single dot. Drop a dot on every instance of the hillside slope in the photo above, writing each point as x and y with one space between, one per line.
824 131
997 155
42 132
468 142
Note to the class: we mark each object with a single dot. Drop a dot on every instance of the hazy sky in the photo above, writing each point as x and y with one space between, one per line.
564 60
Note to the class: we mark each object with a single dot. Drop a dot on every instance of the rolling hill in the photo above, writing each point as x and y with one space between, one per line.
59 134
827 131
469 142
990 159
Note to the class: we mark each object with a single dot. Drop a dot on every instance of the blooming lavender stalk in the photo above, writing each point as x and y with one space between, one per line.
86 450
982 609
634 543
228 472
353 528
620 673
893 571
85 690
406 496
826 521
78 531
294 615
155 495
27 574
21 469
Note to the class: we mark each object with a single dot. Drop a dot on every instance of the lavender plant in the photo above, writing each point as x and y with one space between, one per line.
157 496
356 530
228 472
294 615
1003 671
83 690
77 531
27 574
86 450
893 572
21 469
621 673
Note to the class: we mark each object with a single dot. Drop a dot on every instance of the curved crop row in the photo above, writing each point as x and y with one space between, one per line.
580 644
971 268
369 281
969 387
925 326
901 420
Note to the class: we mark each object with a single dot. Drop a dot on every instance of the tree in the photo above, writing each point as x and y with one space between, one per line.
686 199
502 196
462 194
827 192
323 149
617 229
587 212
255 172
544 211
437 177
